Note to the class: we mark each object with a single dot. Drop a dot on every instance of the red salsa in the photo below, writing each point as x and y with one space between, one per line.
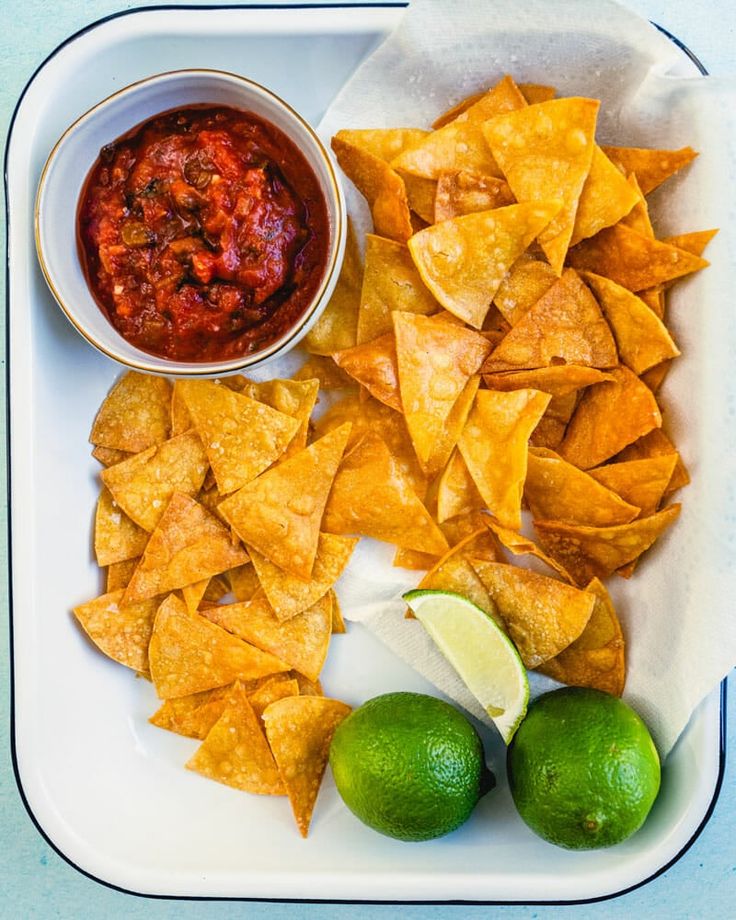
203 233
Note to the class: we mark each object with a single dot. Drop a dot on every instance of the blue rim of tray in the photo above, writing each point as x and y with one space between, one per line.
166 897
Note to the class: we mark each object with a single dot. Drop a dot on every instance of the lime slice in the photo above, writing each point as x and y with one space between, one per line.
481 653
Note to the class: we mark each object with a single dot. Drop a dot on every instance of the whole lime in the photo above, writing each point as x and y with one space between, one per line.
408 765
583 769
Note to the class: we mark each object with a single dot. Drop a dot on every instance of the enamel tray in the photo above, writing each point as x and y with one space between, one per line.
108 790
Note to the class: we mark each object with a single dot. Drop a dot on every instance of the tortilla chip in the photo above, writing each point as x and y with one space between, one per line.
557 490
694 242
553 424
608 417
457 492
565 324
542 615
299 730
545 151
639 482
307 687
462 106
526 281
537 92
119 574
134 414
289 595
275 688
463 261
324 370
117 538
338 621
188 545
337 325
652 167
193 594
588 552
371 495
291 397
122 631
420 193
235 751
633 260
453 572
373 365
557 380
494 447
597 657
413 560
383 143
435 362
456 420
657 444
460 193
279 513
606 198
193 716
638 217
108 456
143 485
520 545
243 582
188 653
655 376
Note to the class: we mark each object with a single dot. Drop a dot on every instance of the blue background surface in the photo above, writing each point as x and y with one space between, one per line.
36 883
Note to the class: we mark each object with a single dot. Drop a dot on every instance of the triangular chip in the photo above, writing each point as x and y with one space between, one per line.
235 751
652 167
537 92
301 641
242 436
552 425
557 379
435 361
638 217
694 242
520 545
545 152
564 325
494 446
295 398
639 482
338 621
641 337
188 545
117 538
606 198
243 582
143 485
446 440
458 108
337 325
194 715
299 730
463 192
326 372
135 414
608 417
289 595
121 630
420 193
373 365
655 376
597 657
188 653
526 281
119 574
588 552
463 261
371 495
275 688
108 456
457 492
657 444
280 512
384 143
542 615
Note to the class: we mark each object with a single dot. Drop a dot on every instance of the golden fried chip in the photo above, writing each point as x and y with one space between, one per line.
289 595
526 281
243 582
119 574
291 397
542 615
463 192
520 545
552 425
537 92
639 482
279 514
557 379
188 653
181 420
421 194
299 730
373 365
307 687
694 242
242 437
657 444
143 485
117 538
456 420
652 167
275 688
457 492
463 261
565 324
338 621
235 751
134 415
413 560
545 152
462 106
108 456
194 715
453 572
326 372
588 552
655 376
435 361
606 198
383 143
597 657
217 587
608 417
371 495
494 447
558 491
122 631
337 325
193 594
638 217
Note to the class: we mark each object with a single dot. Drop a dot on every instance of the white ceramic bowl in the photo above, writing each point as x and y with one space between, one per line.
73 156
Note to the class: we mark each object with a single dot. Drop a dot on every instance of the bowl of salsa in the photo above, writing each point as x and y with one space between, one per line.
192 224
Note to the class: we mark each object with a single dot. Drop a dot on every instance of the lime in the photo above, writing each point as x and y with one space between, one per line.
583 769
408 765
479 650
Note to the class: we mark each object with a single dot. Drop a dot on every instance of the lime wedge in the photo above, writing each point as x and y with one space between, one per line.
480 652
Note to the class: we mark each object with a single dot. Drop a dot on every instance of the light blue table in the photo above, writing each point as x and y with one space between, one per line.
36 883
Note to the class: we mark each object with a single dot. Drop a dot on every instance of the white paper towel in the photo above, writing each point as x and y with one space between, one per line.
678 610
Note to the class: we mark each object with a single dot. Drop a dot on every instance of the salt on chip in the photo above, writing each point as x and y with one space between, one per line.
338 323
494 447
545 151
608 417
117 538
373 365
463 192
557 379
588 552
295 398
652 167
119 574
564 325
134 415
606 198
235 751
526 281
542 615
122 631
242 436
299 730
143 485
657 444
639 482
464 260
188 653
280 512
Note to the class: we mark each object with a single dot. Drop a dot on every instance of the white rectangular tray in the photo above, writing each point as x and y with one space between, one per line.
107 789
